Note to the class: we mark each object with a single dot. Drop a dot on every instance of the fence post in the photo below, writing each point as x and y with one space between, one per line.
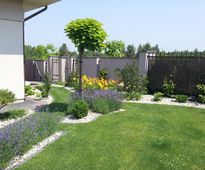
144 62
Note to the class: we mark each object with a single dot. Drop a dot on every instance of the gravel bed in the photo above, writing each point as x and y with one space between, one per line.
19 160
89 118
148 99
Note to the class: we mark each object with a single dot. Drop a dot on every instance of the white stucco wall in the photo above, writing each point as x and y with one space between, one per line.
11 47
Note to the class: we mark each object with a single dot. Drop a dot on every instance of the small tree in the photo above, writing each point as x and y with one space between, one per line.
6 97
115 49
131 51
86 34
63 51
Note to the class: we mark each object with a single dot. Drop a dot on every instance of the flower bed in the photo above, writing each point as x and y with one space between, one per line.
19 137
103 101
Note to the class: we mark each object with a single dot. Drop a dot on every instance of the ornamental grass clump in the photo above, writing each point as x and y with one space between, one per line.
19 137
103 101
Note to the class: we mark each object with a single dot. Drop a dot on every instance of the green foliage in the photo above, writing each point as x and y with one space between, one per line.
181 98
115 49
46 84
6 97
132 80
63 51
201 96
131 51
103 74
13 114
169 86
147 47
158 96
201 88
40 52
78 108
134 96
29 90
86 34
73 80
19 137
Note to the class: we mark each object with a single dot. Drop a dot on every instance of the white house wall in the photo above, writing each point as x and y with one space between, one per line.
11 47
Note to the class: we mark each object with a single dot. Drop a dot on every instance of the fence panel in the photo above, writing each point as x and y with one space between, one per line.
111 64
34 70
187 72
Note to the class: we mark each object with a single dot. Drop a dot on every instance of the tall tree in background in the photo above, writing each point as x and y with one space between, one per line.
40 52
86 34
115 49
63 50
131 51
147 47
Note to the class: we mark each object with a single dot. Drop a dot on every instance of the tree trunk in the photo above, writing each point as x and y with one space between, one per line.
81 53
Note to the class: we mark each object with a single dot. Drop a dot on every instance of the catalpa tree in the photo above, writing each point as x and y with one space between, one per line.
86 34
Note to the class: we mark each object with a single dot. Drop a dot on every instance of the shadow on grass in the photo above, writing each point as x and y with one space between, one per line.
55 107
12 114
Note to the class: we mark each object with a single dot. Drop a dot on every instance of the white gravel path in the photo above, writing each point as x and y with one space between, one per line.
89 118
19 160
148 99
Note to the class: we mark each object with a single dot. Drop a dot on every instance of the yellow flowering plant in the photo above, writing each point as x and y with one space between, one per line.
98 83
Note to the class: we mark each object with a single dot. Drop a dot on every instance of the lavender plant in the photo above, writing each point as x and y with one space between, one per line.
19 137
103 101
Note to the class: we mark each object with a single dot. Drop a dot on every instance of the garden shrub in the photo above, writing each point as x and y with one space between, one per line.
29 90
132 80
134 96
73 80
43 90
181 98
169 86
158 96
103 101
78 108
103 74
6 97
201 96
19 137
46 84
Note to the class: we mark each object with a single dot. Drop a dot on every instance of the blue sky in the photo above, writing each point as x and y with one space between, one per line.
172 24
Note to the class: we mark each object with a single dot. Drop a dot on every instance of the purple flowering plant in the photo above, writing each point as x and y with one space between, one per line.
19 137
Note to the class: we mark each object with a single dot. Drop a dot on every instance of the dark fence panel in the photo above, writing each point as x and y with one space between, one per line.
34 70
187 72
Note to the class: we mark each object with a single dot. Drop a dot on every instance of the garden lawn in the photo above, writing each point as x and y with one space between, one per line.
143 137
60 101
13 114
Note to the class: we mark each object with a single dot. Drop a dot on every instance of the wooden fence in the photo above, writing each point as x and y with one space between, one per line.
187 72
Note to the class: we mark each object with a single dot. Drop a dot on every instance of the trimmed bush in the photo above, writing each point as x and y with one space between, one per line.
158 96
78 108
181 98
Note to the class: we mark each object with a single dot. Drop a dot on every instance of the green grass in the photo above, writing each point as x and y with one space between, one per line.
144 137
13 114
60 101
